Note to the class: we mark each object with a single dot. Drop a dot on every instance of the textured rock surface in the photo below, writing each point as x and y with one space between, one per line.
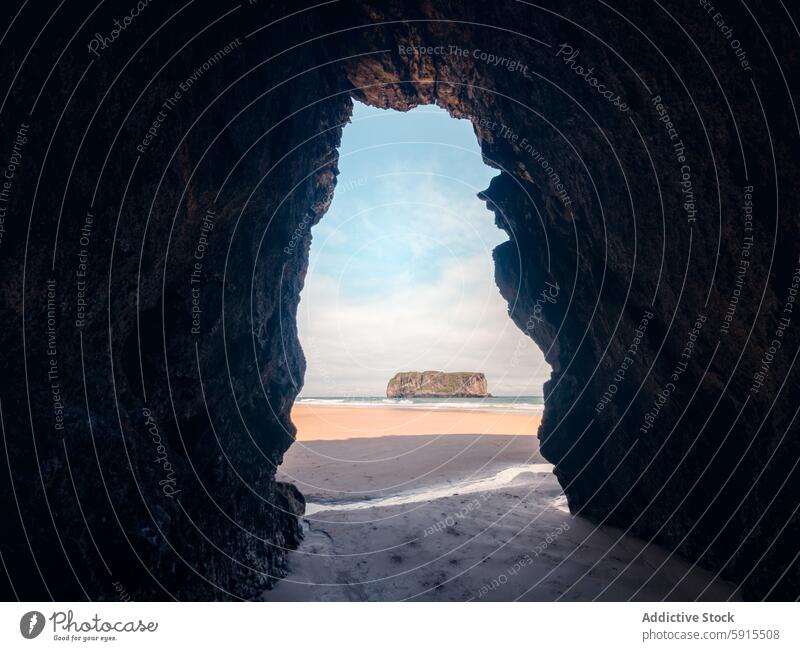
708 469
689 451
137 382
436 384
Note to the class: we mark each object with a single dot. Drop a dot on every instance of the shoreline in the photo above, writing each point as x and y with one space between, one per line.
316 422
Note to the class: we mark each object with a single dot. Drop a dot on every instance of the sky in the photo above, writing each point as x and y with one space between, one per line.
401 276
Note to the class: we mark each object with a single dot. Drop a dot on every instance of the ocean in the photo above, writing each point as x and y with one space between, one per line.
531 404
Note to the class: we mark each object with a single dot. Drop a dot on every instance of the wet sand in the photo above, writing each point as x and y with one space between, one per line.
461 517
317 423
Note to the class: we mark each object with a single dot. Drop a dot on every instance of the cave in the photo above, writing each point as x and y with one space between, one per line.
636 203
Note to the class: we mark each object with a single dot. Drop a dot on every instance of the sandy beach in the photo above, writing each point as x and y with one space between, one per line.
318 423
461 517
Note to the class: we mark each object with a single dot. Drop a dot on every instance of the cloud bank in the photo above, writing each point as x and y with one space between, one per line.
401 275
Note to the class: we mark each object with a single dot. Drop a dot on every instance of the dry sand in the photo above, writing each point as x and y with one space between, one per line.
317 423
460 517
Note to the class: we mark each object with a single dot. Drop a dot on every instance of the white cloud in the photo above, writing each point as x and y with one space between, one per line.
401 275
459 322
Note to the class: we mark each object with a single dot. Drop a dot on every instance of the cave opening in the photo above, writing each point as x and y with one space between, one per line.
401 279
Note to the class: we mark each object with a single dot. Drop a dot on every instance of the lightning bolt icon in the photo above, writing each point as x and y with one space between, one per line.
32 623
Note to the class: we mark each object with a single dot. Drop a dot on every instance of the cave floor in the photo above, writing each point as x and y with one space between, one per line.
462 518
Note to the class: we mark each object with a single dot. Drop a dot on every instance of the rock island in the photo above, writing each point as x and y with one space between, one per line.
437 384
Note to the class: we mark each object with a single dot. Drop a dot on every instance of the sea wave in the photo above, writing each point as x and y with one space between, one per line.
321 401
526 404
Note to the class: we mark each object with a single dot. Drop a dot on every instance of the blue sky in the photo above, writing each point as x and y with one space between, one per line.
401 275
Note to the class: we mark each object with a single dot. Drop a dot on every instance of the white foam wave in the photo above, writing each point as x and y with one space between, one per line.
498 480
403 403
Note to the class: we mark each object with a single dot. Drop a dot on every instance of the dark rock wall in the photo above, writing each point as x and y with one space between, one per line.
173 423
159 478
626 275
